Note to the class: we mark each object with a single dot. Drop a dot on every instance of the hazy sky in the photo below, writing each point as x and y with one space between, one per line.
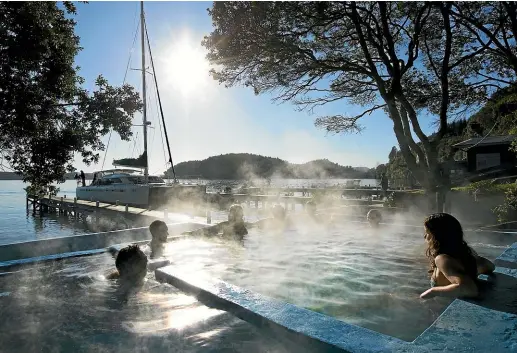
203 118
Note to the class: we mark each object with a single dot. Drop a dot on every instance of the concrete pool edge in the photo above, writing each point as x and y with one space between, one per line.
302 325
508 258
462 327
82 242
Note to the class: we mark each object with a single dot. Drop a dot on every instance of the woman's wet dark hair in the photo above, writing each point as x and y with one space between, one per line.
131 261
446 237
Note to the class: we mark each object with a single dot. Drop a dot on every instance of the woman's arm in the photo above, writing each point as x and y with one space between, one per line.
259 224
212 230
461 284
484 265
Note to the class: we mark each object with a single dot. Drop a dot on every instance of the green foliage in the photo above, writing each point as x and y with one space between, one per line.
249 166
45 115
399 174
390 201
40 190
508 210
140 162
485 187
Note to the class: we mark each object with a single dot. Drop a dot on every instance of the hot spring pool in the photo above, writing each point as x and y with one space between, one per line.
368 278
361 276
67 306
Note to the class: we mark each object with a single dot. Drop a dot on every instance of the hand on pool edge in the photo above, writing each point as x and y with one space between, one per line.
428 294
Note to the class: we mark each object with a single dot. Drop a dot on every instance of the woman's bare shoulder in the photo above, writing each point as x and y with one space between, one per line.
444 260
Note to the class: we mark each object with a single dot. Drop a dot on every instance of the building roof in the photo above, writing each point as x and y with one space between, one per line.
486 141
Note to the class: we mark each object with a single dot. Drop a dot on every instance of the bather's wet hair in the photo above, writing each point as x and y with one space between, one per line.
158 230
131 262
446 237
235 213
155 226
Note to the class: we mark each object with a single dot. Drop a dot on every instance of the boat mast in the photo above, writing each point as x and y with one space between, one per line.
144 95
161 109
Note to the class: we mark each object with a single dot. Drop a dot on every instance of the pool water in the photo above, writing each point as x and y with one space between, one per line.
68 306
371 278
361 276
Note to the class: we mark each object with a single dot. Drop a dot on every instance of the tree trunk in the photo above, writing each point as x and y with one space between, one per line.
440 200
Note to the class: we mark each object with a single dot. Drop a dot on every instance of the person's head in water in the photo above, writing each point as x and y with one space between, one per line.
235 214
374 217
444 235
310 208
279 213
159 231
131 263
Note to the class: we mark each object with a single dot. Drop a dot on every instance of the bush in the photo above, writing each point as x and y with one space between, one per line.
508 210
390 200
39 190
485 187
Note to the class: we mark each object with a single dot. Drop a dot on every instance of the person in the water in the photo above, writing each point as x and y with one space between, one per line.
159 232
323 217
277 222
131 264
235 226
310 208
374 218
454 266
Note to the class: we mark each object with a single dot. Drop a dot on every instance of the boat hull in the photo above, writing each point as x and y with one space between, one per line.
148 196
133 195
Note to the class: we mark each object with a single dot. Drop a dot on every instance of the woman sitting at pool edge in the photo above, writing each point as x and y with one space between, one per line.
454 266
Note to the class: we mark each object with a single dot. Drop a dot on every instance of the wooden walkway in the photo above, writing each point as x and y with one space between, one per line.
365 191
76 207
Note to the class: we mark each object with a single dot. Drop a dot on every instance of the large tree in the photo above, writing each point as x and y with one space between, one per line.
494 26
407 59
45 115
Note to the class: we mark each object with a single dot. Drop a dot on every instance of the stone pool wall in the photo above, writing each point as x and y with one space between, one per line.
24 251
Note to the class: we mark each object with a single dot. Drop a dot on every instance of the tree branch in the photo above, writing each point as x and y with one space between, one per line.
340 123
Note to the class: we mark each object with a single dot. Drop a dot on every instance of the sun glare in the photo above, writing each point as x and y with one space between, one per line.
186 68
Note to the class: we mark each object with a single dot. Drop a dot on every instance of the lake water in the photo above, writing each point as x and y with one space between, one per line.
17 225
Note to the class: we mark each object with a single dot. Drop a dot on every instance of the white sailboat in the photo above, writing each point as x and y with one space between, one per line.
134 186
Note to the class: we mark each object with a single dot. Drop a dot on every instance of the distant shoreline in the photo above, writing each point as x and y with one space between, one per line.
16 176
89 176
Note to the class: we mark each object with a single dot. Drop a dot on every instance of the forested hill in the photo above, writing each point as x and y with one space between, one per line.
249 166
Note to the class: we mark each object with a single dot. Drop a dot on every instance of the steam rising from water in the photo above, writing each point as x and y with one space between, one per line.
69 306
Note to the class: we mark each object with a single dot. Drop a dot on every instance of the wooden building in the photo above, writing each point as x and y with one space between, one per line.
489 156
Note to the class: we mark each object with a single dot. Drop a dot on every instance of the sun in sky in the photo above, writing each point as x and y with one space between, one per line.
184 64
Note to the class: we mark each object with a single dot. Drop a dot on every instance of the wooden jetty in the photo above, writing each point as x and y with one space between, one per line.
256 199
362 191
75 207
